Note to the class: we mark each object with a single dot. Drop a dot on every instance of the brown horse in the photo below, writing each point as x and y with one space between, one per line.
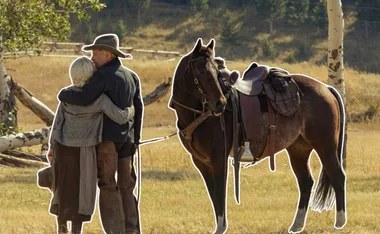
206 128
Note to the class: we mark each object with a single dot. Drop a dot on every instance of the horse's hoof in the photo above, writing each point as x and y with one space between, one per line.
340 220
299 221
296 228
220 231
221 228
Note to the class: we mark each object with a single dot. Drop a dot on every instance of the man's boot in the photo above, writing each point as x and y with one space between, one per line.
62 226
110 207
111 212
76 227
126 183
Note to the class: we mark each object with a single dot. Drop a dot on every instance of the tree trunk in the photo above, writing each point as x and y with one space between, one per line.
335 56
335 48
36 137
19 162
158 93
27 156
7 100
41 136
270 27
138 16
29 101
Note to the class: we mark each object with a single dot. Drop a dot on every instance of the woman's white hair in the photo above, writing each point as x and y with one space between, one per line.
81 70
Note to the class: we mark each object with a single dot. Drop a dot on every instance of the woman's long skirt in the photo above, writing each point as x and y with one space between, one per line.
68 172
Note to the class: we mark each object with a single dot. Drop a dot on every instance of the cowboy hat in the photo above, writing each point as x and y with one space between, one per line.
108 42
44 177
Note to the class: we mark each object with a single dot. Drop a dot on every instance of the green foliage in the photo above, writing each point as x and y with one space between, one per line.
140 4
291 58
319 16
24 24
270 10
296 12
90 35
121 29
368 10
11 127
101 27
269 49
229 30
304 52
199 5
239 3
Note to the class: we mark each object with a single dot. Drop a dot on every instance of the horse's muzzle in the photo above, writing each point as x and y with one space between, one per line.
218 107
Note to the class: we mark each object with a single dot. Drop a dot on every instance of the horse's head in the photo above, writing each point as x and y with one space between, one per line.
203 71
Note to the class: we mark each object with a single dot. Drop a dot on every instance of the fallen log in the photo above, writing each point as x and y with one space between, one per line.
41 136
27 156
18 162
32 103
35 137
158 93
47 115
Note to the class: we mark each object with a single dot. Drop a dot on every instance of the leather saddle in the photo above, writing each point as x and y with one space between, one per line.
280 94
251 83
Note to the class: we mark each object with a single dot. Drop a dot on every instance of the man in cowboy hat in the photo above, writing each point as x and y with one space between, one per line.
119 142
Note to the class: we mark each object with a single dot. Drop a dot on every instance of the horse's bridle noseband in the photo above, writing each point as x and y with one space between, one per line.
197 84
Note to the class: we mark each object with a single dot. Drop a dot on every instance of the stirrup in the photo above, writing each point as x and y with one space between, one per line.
247 155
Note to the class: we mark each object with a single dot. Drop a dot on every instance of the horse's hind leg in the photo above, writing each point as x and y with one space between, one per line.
299 153
332 175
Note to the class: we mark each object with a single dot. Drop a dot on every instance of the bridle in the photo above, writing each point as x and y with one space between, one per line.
198 86
187 132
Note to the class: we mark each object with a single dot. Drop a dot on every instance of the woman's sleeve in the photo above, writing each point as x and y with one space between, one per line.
114 112
56 127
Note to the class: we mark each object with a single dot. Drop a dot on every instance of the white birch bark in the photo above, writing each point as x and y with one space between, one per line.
32 103
35 137
4 90
335 46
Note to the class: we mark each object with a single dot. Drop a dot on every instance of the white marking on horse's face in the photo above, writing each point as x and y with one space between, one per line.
340 219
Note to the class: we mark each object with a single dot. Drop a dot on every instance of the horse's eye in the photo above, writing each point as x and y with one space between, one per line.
202 71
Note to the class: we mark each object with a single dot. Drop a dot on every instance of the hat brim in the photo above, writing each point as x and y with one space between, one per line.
116 52
44 177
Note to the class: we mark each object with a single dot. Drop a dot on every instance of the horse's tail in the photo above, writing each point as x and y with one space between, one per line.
324 195
342 132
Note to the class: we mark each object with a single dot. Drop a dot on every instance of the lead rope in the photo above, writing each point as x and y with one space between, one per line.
139 164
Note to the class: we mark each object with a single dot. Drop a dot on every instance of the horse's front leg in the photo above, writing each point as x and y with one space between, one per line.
219 177
215 191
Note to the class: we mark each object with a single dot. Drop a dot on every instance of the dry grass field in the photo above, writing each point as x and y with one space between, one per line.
174 199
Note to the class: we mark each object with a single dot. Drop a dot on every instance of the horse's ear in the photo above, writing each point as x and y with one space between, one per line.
198 45
211 45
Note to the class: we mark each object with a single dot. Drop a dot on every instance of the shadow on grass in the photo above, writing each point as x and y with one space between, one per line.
169 175
366 184
149 174
23 179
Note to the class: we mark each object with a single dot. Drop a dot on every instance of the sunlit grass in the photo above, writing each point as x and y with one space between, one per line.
174 199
